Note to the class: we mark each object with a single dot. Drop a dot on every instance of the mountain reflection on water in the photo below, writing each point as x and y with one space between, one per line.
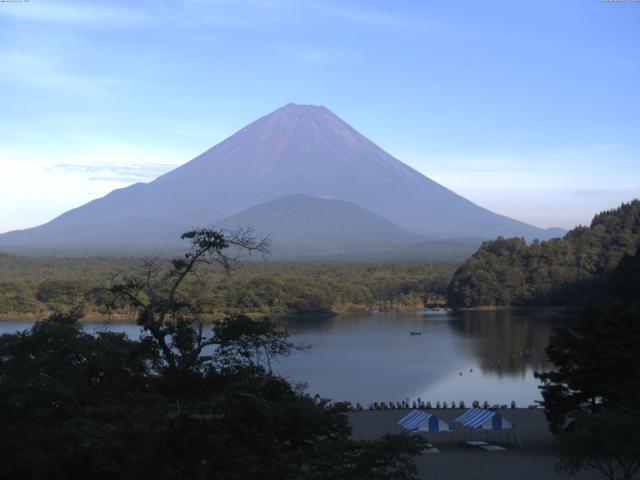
465 355
508 342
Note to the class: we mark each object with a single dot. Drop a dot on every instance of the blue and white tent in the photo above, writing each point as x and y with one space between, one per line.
479 418
419 421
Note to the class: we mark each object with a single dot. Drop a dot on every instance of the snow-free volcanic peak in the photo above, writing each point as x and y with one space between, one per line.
297 149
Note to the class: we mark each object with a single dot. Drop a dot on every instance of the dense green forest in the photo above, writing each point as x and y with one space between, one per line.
566 271
31 287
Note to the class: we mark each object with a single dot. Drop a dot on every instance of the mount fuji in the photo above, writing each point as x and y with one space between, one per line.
298 158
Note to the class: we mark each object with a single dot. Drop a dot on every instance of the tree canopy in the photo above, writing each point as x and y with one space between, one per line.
567 271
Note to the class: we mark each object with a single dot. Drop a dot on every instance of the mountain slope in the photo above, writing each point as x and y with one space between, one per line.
299 224
87 230
308 149
298 149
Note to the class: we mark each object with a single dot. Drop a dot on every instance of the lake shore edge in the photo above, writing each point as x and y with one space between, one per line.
122 318
499 308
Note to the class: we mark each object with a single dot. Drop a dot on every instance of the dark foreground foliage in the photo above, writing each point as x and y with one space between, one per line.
76 405
592 399
607 441
180 403
568 271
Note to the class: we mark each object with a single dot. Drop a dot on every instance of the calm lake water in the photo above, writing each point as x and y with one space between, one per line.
372 357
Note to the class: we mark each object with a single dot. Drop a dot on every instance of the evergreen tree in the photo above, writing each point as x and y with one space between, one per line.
592 397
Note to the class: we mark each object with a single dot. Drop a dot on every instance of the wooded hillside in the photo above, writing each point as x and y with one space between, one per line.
564 271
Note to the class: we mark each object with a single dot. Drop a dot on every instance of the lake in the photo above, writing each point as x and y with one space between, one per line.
466 355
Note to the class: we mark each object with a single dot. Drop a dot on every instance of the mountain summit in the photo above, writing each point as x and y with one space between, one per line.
297 149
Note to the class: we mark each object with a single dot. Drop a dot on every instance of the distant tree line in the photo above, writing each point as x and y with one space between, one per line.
568 271
32 286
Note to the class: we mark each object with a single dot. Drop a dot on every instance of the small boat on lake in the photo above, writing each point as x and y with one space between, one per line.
415 333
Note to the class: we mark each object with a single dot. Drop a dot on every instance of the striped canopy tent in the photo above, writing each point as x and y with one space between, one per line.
419 421
479 418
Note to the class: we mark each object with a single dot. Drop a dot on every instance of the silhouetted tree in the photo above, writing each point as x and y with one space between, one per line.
170 318
592 398
607 441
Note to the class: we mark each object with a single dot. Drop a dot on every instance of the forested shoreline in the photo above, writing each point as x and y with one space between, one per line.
503 273
572 270
33 287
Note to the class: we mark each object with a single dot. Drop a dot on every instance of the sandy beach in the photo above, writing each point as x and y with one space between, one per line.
534 461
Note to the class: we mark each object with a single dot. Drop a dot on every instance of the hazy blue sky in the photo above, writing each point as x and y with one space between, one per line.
530 108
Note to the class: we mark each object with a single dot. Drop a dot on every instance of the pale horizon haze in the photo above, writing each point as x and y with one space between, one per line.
528 108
